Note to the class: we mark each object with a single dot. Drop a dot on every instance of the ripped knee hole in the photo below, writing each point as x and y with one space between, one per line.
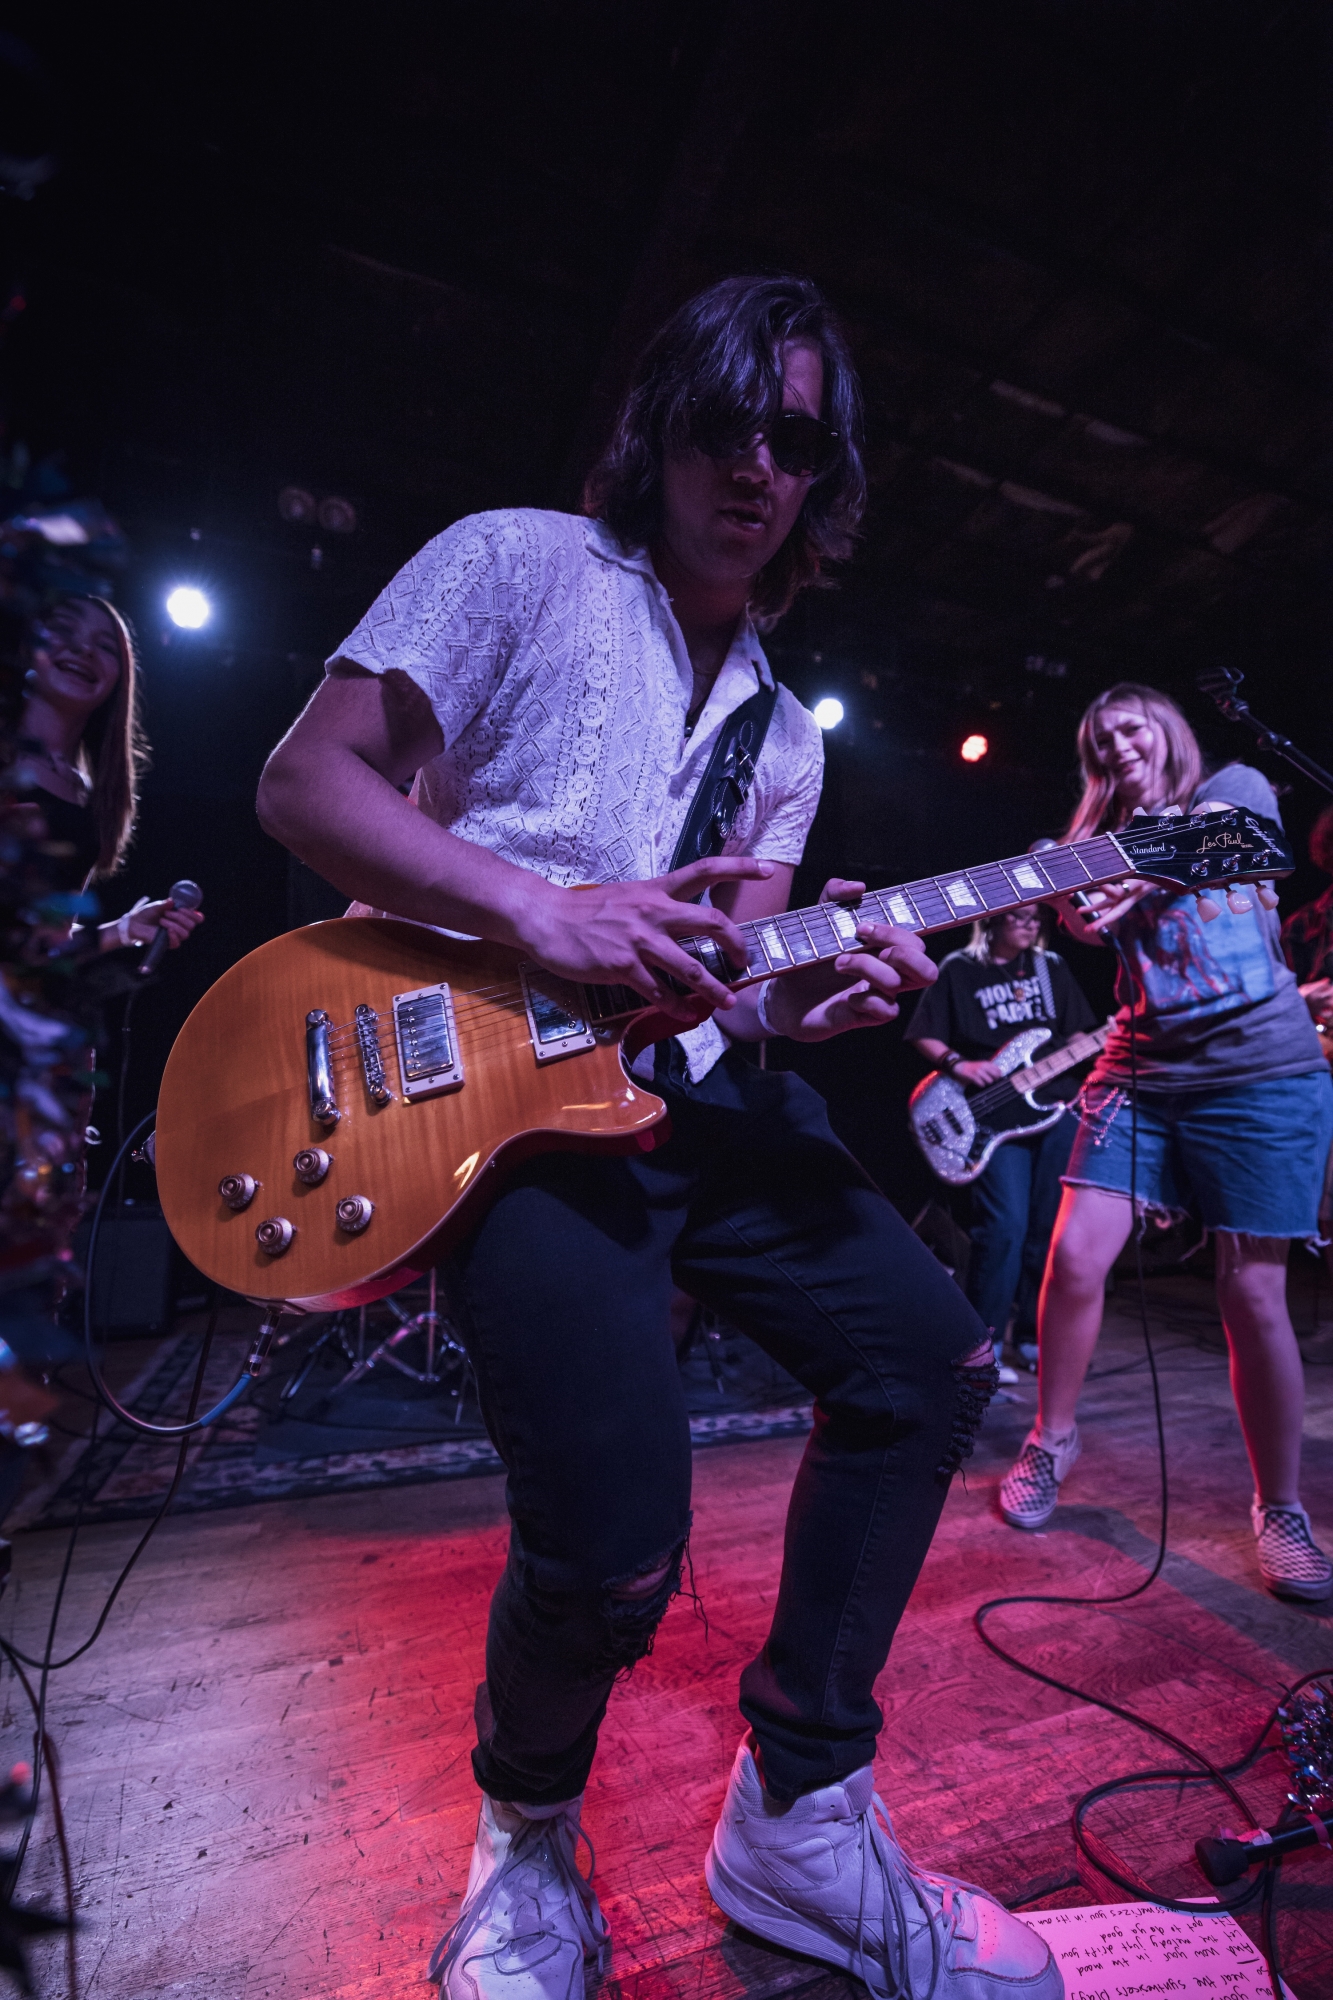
631 1589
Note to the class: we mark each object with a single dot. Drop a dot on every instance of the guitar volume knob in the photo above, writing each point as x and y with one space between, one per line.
274 1235
311 1164
238 1190
354 1212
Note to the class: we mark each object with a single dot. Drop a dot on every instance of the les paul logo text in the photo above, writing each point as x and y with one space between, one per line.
1221 840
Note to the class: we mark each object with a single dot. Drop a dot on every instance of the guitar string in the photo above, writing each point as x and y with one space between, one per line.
992 1095
792 928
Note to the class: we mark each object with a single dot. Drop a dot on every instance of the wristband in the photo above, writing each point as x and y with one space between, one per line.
761 1011
123 925
951 1062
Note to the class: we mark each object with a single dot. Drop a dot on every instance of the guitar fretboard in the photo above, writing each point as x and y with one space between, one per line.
1076 1051
935 903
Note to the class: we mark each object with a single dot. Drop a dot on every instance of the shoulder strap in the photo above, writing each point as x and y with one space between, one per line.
1043 972
725 784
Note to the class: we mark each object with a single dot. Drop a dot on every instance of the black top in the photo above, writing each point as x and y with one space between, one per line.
73 845
976 1008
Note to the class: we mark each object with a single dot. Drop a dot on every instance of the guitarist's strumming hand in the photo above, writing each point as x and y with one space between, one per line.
859 990
625 933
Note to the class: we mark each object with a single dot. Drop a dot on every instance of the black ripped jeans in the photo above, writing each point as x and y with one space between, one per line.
562 1295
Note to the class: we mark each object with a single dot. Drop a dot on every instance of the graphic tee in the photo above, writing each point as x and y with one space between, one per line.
976 1008
1214 1004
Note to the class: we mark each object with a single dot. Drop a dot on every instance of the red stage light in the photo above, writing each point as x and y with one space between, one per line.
974 749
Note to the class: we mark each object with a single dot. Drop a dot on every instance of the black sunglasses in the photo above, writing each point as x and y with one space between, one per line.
802 446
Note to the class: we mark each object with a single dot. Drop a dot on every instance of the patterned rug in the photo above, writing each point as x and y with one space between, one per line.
330 1438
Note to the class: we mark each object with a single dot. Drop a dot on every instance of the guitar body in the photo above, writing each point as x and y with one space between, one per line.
957 1142
236 1100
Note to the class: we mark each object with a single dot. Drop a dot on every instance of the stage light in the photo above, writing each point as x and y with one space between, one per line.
188 607
829 712
974 749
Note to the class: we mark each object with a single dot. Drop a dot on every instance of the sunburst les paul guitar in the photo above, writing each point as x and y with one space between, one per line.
338 1107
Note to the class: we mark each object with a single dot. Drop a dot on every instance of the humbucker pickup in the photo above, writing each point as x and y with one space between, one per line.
557 1014
429 1060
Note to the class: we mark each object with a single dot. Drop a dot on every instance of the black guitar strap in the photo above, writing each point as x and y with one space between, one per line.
725 784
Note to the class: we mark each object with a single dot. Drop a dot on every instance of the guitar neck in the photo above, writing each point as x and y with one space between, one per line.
775 945
1177 851
1036 1074
935 903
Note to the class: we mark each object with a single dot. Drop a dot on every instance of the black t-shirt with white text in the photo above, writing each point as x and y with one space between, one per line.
976 1008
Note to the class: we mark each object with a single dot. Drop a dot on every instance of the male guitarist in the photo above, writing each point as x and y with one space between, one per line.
559 682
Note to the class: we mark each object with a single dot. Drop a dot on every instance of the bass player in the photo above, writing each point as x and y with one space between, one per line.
559 682
1002 981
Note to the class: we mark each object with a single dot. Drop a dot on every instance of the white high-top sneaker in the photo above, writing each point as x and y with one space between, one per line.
823 1876
530 1921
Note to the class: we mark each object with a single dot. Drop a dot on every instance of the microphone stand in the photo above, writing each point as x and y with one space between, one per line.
1222 687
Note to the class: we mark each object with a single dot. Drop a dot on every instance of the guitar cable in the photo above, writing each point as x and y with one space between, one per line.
139 1424
1205 1770
43 1757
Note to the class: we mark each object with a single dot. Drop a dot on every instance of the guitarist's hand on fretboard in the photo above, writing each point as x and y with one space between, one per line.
858 989
977 1074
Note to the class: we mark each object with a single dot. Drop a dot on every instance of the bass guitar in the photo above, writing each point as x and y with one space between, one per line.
338 1106
958 1129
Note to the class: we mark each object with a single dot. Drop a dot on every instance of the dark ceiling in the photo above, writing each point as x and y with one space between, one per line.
1081 246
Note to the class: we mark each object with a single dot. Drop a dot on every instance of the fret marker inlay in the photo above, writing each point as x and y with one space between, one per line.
1026 876
960 895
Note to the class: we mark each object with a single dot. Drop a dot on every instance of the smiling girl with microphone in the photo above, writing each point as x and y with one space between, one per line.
82 750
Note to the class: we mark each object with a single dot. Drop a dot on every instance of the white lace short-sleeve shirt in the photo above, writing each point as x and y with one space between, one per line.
561 683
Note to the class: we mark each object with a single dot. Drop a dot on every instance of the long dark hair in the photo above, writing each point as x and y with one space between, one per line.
1182 770
719 357
113 751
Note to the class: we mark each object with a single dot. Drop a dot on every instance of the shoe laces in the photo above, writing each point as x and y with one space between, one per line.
536 1842
894 1981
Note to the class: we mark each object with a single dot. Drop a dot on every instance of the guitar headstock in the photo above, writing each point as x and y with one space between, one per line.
1206 850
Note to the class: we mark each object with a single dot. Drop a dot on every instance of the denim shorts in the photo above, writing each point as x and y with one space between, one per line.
1248 1159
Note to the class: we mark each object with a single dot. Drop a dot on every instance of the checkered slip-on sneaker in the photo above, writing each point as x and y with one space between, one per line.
1031 1487
1291 1562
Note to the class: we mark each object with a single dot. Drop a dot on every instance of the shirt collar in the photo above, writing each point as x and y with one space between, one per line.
745 647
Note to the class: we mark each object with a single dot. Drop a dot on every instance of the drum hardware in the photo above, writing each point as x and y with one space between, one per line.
444 1351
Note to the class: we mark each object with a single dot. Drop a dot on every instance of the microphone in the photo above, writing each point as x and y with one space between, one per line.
183 896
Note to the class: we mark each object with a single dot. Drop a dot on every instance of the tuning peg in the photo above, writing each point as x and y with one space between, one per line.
1238 904
1206 907
1267 895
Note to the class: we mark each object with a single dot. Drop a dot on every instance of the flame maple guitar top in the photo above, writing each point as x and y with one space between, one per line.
235 1100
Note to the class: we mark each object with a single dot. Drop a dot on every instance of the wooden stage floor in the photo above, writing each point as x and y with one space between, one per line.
265 1758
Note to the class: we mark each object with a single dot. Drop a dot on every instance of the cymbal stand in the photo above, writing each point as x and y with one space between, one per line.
332 1340
441 1346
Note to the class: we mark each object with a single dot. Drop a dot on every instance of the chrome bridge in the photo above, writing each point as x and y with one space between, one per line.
319 1068
372 1062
